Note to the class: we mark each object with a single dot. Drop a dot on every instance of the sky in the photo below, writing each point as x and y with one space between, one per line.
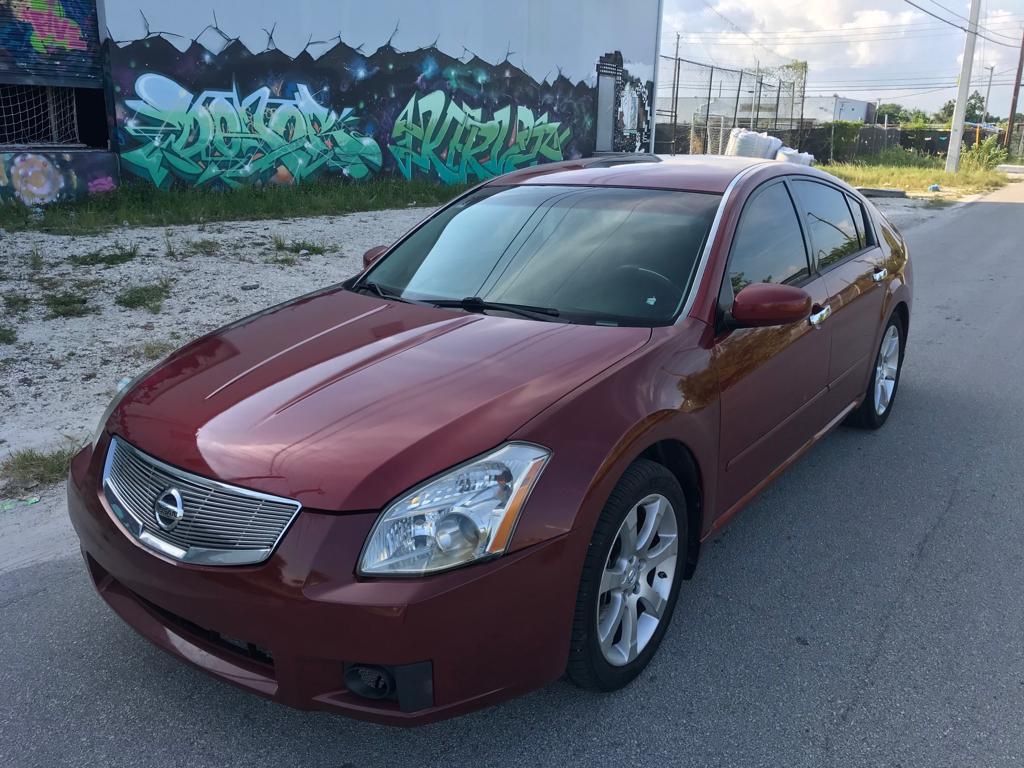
862 49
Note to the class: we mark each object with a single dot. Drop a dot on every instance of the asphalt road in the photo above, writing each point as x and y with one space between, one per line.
868 610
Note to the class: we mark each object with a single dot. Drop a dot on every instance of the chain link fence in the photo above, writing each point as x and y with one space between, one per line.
697 105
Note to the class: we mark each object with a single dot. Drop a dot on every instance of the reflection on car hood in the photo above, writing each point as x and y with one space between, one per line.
343 401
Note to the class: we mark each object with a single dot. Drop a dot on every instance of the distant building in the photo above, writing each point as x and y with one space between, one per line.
825 109
816 109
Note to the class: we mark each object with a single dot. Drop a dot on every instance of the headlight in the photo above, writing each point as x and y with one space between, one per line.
466 514
122 389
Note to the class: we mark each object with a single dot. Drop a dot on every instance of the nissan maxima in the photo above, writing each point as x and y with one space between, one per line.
491 459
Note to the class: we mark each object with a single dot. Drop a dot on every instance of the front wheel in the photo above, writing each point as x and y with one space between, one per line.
630 580
885 378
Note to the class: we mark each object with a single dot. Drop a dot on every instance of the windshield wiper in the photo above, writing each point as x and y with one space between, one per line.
377 290
476 304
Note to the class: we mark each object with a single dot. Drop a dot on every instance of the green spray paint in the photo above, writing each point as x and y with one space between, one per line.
216 137
436 136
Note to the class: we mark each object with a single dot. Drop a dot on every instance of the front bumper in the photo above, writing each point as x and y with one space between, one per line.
288 628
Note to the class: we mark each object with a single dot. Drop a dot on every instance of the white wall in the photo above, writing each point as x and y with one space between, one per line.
544 36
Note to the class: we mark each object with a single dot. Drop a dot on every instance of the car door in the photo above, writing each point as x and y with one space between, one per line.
845 253
772 380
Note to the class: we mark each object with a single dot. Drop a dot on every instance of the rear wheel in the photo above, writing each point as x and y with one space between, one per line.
630 580
885 378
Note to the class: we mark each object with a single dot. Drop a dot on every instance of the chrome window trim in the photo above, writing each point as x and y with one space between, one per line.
716 225
192 555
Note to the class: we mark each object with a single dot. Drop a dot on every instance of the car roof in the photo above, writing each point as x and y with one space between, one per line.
693 173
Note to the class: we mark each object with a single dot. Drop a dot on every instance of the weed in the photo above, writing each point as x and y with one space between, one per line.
150 297
68 304
29 468
16 303
35 260
318 247
297 246
7 335
204 247
155 350
169 251
285 260
120 254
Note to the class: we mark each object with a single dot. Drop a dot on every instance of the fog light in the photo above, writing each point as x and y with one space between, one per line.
370 681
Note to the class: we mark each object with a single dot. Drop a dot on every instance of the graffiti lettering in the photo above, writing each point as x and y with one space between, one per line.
436 137
51 27
218 137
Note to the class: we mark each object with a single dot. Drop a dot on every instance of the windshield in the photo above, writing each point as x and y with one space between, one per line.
605 255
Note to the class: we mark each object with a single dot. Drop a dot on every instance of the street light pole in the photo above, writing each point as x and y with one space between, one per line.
988 94
956 133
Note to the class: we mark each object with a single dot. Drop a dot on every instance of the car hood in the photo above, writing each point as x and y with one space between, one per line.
343 401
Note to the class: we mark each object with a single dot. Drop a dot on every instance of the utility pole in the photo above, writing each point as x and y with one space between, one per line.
1013 99
675 95
956 134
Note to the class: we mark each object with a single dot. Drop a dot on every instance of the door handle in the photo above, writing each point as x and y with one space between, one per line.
880 274
819 317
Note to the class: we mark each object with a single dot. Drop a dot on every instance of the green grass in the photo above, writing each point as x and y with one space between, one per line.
150 297
35 258
119 254
67 304
141 204
28 468
7 335
914 172
16 303
917 179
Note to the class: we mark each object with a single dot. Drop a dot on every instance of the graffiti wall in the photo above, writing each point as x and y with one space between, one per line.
254 101
49 42
241 118
40 178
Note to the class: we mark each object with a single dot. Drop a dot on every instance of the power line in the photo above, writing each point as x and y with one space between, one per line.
918 27
958 26
743 32
961 16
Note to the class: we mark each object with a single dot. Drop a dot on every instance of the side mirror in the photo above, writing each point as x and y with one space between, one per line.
373 254
765 304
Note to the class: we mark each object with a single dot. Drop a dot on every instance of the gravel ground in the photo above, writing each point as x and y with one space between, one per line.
57 378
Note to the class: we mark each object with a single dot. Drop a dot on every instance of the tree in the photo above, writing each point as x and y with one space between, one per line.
975 107
896 113
916 117
945 115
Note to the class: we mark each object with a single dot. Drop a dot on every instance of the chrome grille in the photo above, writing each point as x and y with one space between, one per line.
220 524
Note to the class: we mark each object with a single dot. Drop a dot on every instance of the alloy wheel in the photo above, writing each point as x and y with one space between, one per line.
887 369
637 580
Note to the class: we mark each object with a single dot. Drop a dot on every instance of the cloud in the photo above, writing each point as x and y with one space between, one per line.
863 49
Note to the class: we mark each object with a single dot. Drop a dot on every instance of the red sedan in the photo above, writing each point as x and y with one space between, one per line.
491 459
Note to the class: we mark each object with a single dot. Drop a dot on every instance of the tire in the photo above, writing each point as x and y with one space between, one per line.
641 587
871 414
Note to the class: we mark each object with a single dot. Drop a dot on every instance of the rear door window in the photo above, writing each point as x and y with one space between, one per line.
860 220
768 246
830 223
